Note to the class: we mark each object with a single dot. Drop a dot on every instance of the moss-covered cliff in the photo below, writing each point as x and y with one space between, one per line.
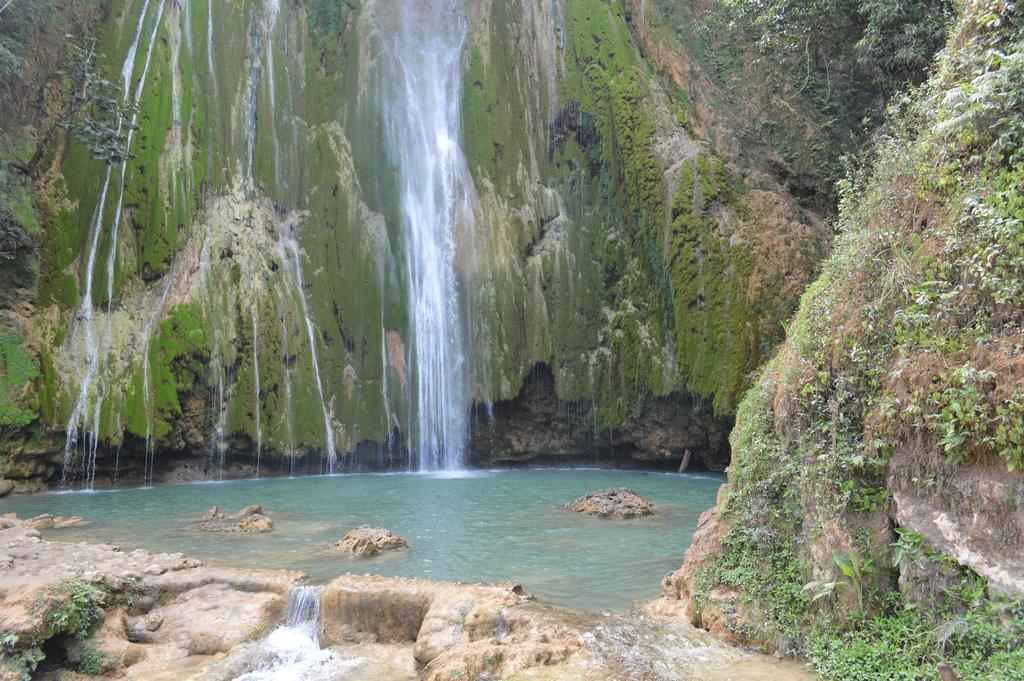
872 520
247 306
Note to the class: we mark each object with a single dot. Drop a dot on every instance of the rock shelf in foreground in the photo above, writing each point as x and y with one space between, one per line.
167 616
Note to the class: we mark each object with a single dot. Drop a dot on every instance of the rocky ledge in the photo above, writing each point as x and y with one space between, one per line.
107 613
366 541
618 502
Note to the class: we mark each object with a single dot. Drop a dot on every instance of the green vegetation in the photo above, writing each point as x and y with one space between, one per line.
98 115
20 660
70 609
856 407
17 371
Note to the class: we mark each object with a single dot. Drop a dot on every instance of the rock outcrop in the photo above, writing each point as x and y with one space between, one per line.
877 474
156 615
536 426
366 541
618 502
249 520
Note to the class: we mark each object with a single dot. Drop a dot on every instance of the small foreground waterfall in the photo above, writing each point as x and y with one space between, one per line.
292 652
422 110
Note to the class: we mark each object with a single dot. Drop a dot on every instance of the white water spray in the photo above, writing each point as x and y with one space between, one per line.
424 128
292 652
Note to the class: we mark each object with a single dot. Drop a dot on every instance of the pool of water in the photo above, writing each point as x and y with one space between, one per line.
488 526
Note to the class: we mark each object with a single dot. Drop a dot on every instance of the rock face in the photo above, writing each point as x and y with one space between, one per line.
366 541
618 502
878 467
249 520
537 427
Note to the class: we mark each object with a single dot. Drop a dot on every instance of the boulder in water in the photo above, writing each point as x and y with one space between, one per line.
213 514
249 520
618 502
368 541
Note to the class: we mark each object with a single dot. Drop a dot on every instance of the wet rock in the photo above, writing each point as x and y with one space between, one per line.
6 487
618 502
368 541
533 427
48 521
256 523
249 520
251 510
214 514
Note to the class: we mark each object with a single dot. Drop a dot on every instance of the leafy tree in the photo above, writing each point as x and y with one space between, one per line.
893 41
99 115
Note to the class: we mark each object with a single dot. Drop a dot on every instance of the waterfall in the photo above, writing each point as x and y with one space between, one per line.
293 249
83 326
304 609
218 447
147 370
292 652
422 112
256 391
285 359
209 46
272 10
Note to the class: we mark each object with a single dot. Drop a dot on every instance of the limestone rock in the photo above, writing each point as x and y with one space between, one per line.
6 487
213 514
368 541
251 510
618 502
249 520
256 523
48 521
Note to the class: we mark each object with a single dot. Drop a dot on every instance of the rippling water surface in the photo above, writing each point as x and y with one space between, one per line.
491 526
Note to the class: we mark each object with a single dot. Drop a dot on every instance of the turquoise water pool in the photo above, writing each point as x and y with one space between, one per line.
491 526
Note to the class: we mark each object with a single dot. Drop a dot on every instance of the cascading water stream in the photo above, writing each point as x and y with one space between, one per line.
423 117
84 322
256 391
147 371
286 360
292 652
292 249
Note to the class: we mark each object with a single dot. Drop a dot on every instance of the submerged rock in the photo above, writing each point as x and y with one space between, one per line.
618 502
249 520
48 521
369 541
